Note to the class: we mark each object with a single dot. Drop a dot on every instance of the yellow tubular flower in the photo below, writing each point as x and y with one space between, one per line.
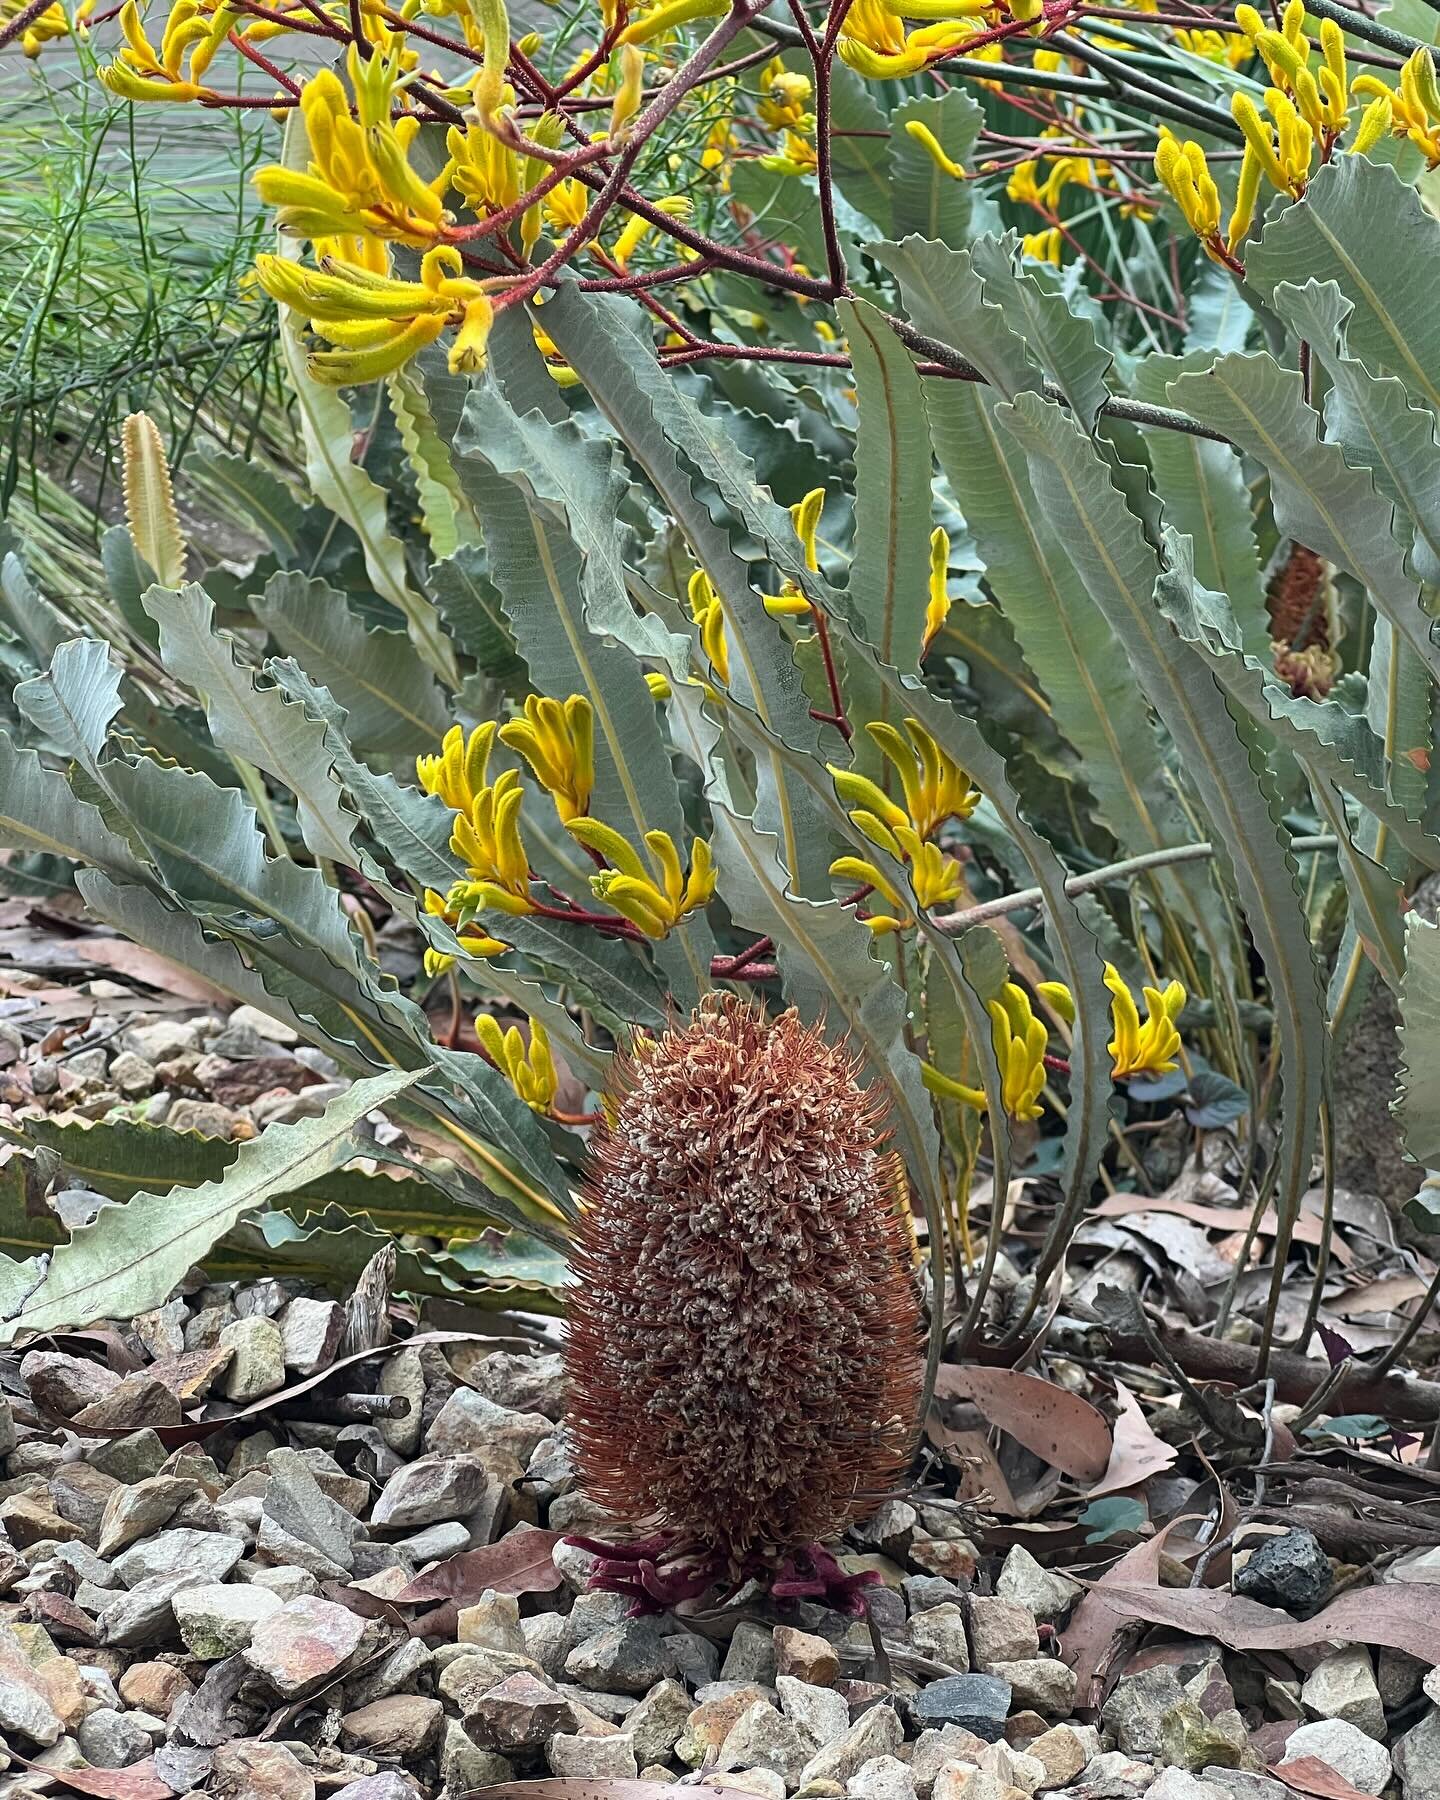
875 43
1151 1048
936 876
936 787
858 871
558 742
933 148
709 615
1375 123
632 82
52 23
1247 192
457 773
632 891
379 323
658 685
938 609
472 943
1414 111
1186 177
1042 246
666 17
1020 1041
488 841
785 106
187 48
805 517
949 1089
531 1074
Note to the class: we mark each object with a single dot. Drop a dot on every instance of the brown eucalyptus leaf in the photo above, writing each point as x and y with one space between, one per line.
1308 1775
1059 1426
522 1563
138 1782
1396 1616
1136 1451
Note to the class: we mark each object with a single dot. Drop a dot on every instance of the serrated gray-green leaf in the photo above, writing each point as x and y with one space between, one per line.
473 615
1204 494
32 618
393 703
1377 898
1122 571
860 151
1364 228
127 575
412 827
674 441
252 719
130 1257
1059 340
945 300
1417 1101
1317 497
38 812
1066 639
785 207
444 513
350 492
927 201
1371 417
890 570
73 702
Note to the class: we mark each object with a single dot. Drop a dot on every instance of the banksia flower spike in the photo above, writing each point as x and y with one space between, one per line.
743 1343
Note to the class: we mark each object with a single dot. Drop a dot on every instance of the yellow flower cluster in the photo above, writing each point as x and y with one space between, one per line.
51 24
1022 1042
1413 112
531 1072
187 48
1306 112
630 889
936 788
876 42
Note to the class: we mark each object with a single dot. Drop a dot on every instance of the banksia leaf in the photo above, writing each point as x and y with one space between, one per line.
149 503
743 1338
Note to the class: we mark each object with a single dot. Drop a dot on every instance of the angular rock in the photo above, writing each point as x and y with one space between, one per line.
521 1382
132 1074
521 1713
402 1726
219 1619
1363 1763
546 1638
430 1491
1003 1631
1191 1739
155 1687
598 1758
112 1740
751 1654
875 1733
464 1766
312 1332
1343 1686
936 1749
882 1778
79 1492
161 1040
285 1583
138 1511
144 1614
820 1713
1064 1753
805 1656
939 1635
763 1738
27 1519
1180 1784
390 1785
468 1423
250 1769
25 1710
1042 1682
1417 1759
1135 1711
1290 1570
258 1365
307 1642
654 1724
980 1703
191 1374
628 1658
302 1525
201 1555
1043 1593
493 1623
132 1458
709 1724
65 1385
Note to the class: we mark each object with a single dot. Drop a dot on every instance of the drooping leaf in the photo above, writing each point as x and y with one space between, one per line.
1417 1102
393 704
74 701
130 1257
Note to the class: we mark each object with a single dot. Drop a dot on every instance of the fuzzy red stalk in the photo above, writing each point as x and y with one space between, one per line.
743 1336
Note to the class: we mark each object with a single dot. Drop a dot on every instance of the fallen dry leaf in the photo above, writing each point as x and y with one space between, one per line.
1308 1775
1094 1623
138 1782
1398 1616
1059 1426
1136 1451
522 1563
1308 1229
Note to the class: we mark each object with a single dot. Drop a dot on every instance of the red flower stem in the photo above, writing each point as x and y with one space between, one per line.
732 965
263 62
1056 1064
832 678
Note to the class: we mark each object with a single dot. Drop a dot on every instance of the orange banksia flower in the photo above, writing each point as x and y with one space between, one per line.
743 1343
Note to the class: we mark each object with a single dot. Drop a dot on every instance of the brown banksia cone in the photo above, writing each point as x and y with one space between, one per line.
743 1344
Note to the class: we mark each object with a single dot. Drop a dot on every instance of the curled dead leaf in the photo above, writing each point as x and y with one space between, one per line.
1068 1432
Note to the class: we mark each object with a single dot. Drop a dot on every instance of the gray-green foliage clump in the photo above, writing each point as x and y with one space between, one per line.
1083 653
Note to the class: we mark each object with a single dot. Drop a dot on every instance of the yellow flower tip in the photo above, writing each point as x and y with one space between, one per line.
1059 998
530 1068
948 1089
789 605
1151 1048
467 353
925 137
658 685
